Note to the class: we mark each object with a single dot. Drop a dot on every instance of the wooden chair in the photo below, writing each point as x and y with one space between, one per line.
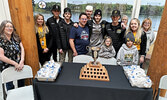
21 93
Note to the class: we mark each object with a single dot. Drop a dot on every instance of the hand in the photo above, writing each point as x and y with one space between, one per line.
75 25
16 66
61 51
123 25
21 65
75 54
45 50
141 59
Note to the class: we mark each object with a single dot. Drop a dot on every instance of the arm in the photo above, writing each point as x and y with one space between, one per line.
143 47
73 47
21 63
7 60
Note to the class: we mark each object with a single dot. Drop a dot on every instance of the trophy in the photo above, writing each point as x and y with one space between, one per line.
95 51
94 70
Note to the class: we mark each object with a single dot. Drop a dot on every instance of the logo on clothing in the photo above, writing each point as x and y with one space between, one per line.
84 35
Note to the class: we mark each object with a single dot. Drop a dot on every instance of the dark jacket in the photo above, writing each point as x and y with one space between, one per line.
117 35
103 25
64 32
49 40
53 29
143 44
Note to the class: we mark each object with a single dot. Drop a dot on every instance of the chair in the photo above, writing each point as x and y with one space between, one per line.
1 90
21 93
87 59
163 85
82 59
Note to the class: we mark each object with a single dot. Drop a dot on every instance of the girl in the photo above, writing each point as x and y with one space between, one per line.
146 28
140 38
107 50
11 50
44 40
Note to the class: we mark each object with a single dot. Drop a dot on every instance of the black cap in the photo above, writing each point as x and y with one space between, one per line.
67 10
115 13
56 7
97 12
130 37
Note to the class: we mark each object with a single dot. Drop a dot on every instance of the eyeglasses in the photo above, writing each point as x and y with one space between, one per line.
9 27
147 23
84 19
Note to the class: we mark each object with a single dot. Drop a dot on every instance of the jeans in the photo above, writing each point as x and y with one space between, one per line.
10 85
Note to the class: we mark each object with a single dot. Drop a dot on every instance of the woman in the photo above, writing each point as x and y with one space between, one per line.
140 38
11 50
44 40
146 28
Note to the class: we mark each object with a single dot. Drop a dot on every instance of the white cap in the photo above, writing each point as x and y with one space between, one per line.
89 7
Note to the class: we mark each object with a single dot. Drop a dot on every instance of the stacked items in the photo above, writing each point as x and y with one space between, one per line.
137 76
49 71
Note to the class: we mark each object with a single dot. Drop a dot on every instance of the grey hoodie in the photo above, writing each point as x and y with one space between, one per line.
107 52
127 56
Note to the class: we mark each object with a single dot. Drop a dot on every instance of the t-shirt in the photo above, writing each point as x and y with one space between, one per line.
137 41
12 51
81 39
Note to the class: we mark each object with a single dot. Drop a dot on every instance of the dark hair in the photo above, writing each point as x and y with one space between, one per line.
82 14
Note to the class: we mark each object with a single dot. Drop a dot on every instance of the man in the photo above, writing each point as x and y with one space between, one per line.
63 42
79 37
115 31
52 24
89 11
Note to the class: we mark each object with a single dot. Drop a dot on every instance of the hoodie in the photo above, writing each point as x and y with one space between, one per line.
127 56
107 52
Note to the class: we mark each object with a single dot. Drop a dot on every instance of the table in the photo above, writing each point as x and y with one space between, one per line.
68 86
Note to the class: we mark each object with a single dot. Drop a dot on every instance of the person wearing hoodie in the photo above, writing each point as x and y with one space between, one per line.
146 28
63 40
128 53
107 50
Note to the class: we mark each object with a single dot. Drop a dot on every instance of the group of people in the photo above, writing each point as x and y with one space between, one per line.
128 44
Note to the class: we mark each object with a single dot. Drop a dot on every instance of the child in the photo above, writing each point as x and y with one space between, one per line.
128 53
107 50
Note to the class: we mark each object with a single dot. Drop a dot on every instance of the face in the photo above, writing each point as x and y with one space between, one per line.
89 13
56 13
129 44
8 29
40 20
115 19
97 18
125 20
108 42
134 25
67 15
83 20
146 25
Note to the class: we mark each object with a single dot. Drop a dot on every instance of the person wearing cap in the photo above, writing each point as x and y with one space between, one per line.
115 31
53 26
89 11
63 40
128 53
79 36
97 29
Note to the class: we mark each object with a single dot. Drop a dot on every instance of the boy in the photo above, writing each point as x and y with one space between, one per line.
128 53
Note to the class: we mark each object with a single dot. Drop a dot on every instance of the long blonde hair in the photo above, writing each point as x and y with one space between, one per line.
149 19
44 27
139 32
14 34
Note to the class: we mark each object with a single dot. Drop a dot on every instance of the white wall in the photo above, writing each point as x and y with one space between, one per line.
4 10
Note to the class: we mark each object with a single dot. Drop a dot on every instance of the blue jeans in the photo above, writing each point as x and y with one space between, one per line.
10 85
